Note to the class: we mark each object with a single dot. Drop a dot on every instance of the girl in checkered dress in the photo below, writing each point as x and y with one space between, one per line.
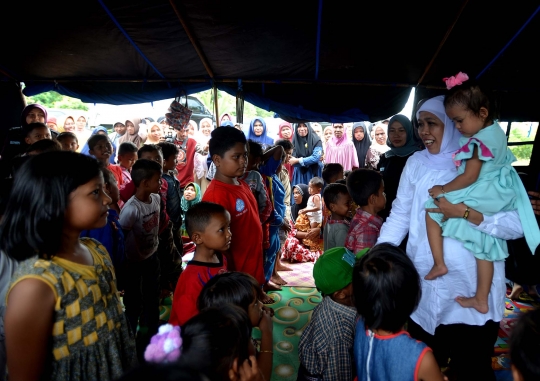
64 318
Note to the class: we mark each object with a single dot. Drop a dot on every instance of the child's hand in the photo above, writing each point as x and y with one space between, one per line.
269 309
436 191
302 211
248 371
265 324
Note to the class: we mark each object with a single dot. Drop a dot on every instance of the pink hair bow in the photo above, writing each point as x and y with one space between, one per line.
457 80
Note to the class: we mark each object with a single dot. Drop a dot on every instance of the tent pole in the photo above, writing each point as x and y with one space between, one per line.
194 42
442 43
216 105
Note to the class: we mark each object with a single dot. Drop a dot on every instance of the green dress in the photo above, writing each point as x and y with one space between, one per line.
90 338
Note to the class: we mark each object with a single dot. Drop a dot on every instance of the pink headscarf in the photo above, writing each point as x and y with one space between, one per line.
337 142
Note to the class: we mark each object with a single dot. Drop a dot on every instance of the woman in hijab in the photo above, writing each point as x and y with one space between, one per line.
133 132
286 132
403 143
155 133
201 161
378 147
361 141
258 133
341 150
69 124
307 153
83 134
439 320
192 195
297 247
225 117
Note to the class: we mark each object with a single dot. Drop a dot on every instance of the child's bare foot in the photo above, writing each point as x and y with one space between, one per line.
436 271
271 286
265 299
516 292
277 279
281 267
479 305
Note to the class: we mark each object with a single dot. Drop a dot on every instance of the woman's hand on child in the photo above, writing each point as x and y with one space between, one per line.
248 371
313 234
436 191
448 209
302 211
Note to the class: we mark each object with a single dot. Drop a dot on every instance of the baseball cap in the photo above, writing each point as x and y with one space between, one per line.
333 271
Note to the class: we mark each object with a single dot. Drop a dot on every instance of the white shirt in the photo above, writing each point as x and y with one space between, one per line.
438 305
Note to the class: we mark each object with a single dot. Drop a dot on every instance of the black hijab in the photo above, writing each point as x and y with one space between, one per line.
304 145
295 208
362 146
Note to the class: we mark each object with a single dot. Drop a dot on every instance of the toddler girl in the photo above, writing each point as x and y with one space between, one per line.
64 318
314 205
487 183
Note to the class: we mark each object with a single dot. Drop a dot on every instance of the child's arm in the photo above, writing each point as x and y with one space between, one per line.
275 151
265 356
316 201
468 177
28 326
429 369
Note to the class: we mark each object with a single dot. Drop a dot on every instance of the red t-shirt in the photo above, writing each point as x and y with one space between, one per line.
117 172
189 286
186 162
246 251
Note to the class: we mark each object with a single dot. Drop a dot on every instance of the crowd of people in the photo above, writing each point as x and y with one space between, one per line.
408 223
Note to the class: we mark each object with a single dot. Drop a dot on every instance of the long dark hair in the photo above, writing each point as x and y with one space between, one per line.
34 217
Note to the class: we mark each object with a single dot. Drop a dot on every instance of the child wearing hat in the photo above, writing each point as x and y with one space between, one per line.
325 348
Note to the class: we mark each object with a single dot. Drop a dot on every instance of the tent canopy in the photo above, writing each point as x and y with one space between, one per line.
305 60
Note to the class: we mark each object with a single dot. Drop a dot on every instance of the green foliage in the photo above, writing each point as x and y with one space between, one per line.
52 99
517 134
227 104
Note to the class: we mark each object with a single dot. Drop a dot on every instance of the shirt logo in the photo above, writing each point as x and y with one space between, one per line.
240 205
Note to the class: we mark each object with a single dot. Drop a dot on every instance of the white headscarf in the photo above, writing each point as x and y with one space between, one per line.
381 148
450 139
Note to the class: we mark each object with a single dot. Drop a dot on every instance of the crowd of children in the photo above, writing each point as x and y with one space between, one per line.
95 255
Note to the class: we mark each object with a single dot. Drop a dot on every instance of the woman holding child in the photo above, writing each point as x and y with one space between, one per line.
439 320
302 244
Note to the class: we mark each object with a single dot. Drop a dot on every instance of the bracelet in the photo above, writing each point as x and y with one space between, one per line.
466 214
266 352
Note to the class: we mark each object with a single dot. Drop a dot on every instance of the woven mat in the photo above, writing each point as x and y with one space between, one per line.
300 276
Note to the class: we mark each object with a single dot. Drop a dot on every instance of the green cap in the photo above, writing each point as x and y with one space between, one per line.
333 271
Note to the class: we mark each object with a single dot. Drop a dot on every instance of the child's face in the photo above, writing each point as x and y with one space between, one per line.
190 193
153 185
297 196
234 162
154 156
88 206
102 151
127 160
69 144
342 205
466 122
313 189
380 202
217 235
38 134
112 190
255 310
170 163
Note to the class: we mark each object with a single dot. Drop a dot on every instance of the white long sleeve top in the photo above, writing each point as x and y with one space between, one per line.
438 305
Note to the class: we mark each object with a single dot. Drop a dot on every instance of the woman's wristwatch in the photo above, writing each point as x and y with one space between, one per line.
466 214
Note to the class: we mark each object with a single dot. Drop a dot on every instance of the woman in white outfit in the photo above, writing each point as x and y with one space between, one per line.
463 335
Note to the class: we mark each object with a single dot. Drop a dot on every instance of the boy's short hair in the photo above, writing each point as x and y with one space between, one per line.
95 139
65 135
524 348
32 126
363 183
286 144
223 139
331 170
200 214
44 145
168 149
127 147
333 271
387 287
332 192
255 149
316 182
144 169
232 287
149 148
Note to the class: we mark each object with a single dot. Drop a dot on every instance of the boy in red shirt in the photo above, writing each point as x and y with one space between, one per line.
208 226
228 149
